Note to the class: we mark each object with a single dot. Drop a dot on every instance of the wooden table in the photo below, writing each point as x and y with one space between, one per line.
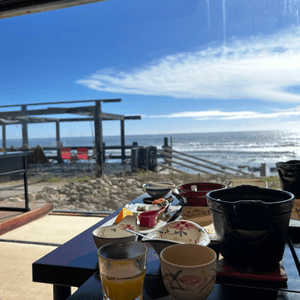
154 289
12 163
76 264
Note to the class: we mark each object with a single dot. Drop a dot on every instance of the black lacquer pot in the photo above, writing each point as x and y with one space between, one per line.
251 223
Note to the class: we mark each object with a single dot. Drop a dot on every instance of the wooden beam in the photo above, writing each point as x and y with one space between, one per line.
34 119
111 116
7 122
48 111
172 156
14 8
63 102
171 168
168 149
132 118
104 116
103 119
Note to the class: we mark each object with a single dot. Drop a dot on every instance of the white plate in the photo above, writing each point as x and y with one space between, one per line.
147 207
165 218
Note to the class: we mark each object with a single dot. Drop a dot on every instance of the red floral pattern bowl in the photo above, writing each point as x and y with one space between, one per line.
116 233
194 194
177 232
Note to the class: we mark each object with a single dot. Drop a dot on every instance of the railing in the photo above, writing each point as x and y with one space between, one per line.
105 149
194 163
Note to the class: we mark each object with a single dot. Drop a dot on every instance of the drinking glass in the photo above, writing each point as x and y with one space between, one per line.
122 270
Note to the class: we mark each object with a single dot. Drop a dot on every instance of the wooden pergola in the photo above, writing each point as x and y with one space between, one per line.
91 113
14 8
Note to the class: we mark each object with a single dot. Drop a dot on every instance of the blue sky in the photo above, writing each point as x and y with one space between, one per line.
183 65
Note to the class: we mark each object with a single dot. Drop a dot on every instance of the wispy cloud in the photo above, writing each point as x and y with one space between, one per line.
222 115
260 68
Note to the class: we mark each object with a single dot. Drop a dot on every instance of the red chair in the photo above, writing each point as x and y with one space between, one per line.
82 153
66 153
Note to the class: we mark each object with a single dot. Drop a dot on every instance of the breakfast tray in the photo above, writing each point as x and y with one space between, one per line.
227 271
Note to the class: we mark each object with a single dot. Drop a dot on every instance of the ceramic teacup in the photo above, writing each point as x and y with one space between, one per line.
189 271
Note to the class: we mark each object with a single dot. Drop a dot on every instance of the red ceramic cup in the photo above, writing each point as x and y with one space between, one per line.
150 218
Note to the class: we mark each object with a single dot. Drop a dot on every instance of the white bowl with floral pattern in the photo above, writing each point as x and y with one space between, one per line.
177 232
116 233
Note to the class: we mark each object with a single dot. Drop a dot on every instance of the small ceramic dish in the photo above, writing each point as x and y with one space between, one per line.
177 232
150 218
116 233
139 208
159 190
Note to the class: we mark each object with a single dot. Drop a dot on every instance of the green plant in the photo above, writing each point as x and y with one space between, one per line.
79 179
270 179
37 180
273 182
54 179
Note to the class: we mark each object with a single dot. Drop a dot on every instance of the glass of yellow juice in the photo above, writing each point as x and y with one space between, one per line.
122 270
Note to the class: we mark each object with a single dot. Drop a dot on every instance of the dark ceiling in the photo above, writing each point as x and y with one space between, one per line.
14 8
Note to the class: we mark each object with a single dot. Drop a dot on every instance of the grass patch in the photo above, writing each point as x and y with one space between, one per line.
36 180
80 179
54 179
273 182
270 179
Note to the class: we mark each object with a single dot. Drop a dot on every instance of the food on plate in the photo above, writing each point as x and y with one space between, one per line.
198 214
195 211
123 213
159 200
141 208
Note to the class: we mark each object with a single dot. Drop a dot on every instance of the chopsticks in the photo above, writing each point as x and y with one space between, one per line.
161 184
137 233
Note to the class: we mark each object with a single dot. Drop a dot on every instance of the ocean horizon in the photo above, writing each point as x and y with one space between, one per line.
232 149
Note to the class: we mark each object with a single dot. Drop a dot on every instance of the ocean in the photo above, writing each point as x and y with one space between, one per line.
232 149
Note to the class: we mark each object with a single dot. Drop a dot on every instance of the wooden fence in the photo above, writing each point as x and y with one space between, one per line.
172 156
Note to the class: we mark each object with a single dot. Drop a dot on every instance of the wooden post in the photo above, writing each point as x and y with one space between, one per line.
166 142
123 141
98 138
58 143
166 145
262 170
4 137
104 158
24 126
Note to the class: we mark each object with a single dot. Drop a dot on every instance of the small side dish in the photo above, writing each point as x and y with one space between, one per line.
177 232
116 233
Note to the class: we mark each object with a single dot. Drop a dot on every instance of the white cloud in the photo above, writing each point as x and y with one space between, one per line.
260 68
222 115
